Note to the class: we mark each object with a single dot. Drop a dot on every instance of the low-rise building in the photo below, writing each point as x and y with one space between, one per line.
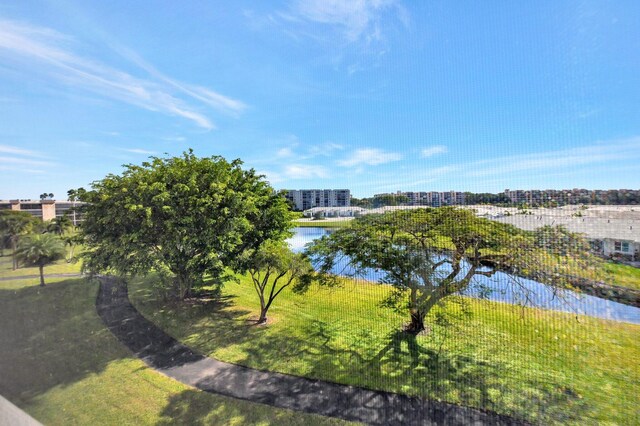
45 209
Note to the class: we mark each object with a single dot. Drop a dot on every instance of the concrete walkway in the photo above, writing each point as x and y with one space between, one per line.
11 415
166 355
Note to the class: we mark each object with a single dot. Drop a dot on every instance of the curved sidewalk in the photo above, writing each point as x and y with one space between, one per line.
170 357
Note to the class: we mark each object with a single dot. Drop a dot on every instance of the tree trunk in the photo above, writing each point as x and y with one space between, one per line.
14 248
70 258
41 276
417 322
263 316
182 284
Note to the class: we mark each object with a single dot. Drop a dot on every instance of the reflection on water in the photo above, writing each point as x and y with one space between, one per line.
504 289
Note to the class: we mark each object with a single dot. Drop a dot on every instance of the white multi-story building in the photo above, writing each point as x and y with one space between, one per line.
304 199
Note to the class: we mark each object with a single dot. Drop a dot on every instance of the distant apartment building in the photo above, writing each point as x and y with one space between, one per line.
573 196
304 199
45 209
431 198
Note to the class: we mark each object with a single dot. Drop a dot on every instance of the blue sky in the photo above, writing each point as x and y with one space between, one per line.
375 96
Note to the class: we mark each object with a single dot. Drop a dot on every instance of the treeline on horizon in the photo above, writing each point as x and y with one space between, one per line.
534 198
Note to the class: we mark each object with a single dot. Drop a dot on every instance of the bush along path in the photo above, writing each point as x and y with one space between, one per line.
168 356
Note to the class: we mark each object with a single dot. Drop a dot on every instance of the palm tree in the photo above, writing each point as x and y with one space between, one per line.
72 241
59 225
14 224
40 250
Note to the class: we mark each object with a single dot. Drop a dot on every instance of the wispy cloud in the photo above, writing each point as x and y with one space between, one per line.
369 156
304 171
285 152
326 149
615 154
139 151
295 150
53 53
356 20
175 138
433 150
8 149
213 99
571 158
23 160
23 170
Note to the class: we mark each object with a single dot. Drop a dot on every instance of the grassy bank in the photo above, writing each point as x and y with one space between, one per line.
537 365
60 364
622 275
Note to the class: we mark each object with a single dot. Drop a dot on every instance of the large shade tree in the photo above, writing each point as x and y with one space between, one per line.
14 225
430 254
40 250
186 215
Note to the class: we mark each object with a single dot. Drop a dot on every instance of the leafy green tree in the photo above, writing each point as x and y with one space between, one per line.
366 203
390 200
431 254
40 250
13 225
273 267
76 194
188 215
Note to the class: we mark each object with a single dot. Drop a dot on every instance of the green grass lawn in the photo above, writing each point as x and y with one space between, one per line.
543 366
59 267
623 275
60 364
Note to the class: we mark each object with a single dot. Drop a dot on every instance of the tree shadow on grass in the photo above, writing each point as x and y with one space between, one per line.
207 319
404 364
51 336
200 408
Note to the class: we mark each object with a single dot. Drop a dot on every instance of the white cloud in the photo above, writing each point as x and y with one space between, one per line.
325 149
22 170
284 152
303 171
23 162
54 57
138 151
20 159
433 150
369 156
8 149
271 177
216 100
175 138
571 158
356 19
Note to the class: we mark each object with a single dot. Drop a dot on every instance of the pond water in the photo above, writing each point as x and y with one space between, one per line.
502 288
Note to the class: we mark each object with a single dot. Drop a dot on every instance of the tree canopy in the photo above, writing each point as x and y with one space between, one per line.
187 215
430 254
